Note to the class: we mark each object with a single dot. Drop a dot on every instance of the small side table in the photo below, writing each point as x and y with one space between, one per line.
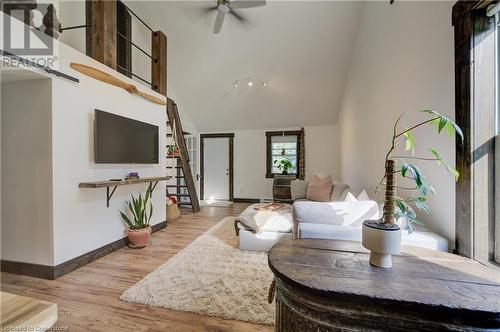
281 188
326 285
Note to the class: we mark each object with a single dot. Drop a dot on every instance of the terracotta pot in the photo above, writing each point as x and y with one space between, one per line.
381 241
139 238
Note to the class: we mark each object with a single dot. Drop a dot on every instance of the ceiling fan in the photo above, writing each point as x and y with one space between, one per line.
224 7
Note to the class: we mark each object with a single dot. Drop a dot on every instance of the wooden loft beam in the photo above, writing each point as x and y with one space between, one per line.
102 16
159 62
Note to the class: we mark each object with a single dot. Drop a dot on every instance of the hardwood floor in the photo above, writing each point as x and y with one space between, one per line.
88 297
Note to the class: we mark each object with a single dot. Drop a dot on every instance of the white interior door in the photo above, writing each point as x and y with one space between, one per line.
216 168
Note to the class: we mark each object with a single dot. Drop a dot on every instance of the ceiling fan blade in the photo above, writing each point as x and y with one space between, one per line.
247 4
208 9
219 20
237 15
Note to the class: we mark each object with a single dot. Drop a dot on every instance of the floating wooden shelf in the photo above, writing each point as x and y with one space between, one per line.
153 181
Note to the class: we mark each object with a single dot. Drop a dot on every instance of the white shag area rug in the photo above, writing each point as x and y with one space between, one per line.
211 277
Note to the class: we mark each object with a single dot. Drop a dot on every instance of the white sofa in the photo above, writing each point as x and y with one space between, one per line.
338 220
343 220
256 235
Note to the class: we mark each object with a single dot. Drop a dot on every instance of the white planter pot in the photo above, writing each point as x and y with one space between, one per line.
382 242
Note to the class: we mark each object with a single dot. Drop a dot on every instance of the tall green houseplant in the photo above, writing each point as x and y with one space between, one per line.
397 206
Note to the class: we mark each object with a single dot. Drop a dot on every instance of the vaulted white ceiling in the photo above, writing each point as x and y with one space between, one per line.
302 48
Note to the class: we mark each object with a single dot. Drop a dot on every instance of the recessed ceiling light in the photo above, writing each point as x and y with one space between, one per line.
264 83
236 85
250 83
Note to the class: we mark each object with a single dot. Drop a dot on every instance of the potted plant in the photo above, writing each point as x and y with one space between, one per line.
383 237
173 151
283 165
139 230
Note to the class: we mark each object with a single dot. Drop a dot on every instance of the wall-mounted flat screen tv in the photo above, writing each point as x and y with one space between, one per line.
120 140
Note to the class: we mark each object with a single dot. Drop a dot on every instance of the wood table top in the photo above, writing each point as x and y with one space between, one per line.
419 276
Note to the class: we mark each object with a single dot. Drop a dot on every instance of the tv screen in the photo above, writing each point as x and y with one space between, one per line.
120 140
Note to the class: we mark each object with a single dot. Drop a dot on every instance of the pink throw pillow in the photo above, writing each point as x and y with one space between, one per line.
319 190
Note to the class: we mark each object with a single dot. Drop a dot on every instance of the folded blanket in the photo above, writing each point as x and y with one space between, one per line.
257 221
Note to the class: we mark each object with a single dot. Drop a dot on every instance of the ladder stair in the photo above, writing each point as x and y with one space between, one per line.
176 127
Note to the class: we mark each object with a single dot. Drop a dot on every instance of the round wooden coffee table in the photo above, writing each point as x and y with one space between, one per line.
325 285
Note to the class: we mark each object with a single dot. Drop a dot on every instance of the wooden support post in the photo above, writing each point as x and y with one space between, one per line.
159 62
103 33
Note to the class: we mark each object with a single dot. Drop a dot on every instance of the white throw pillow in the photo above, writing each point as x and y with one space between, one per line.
363 196
350 197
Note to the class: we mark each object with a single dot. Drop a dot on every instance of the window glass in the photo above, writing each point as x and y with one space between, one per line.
283 147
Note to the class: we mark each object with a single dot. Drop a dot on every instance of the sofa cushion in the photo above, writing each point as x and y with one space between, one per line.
339 192
334 213
298 189
319 190
363 196
265 221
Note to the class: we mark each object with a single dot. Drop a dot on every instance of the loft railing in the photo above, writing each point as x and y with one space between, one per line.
124 41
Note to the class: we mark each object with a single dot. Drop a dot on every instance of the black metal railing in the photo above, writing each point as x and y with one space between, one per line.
128 71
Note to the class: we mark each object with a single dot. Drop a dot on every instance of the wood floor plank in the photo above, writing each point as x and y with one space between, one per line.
88 297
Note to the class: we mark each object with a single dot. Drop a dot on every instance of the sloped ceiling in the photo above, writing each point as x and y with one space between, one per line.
302 48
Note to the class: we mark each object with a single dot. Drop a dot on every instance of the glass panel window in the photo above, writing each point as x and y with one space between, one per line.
282 146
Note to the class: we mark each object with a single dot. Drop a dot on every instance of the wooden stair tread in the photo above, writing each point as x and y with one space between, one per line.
20 313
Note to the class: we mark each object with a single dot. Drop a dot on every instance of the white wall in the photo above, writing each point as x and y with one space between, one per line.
72 13
26 172
403 62
322 156
80 220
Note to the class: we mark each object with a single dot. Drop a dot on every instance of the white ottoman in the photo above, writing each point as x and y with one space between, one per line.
261 230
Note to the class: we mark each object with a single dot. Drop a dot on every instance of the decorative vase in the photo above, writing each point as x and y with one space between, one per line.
383 240
139 238
383 237
284 173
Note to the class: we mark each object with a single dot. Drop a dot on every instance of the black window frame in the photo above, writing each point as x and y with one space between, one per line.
269 157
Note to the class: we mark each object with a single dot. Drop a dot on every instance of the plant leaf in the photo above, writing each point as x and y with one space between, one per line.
150 211
441 161
420 203
442 122
410 142
127 220
436 155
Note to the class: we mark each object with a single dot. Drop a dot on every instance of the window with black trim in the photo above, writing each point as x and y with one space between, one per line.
285 152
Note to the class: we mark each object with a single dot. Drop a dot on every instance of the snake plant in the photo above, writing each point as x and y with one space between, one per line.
139 210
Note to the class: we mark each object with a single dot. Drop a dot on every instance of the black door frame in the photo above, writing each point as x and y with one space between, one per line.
231 162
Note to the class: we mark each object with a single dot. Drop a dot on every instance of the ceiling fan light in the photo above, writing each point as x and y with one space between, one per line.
223 8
